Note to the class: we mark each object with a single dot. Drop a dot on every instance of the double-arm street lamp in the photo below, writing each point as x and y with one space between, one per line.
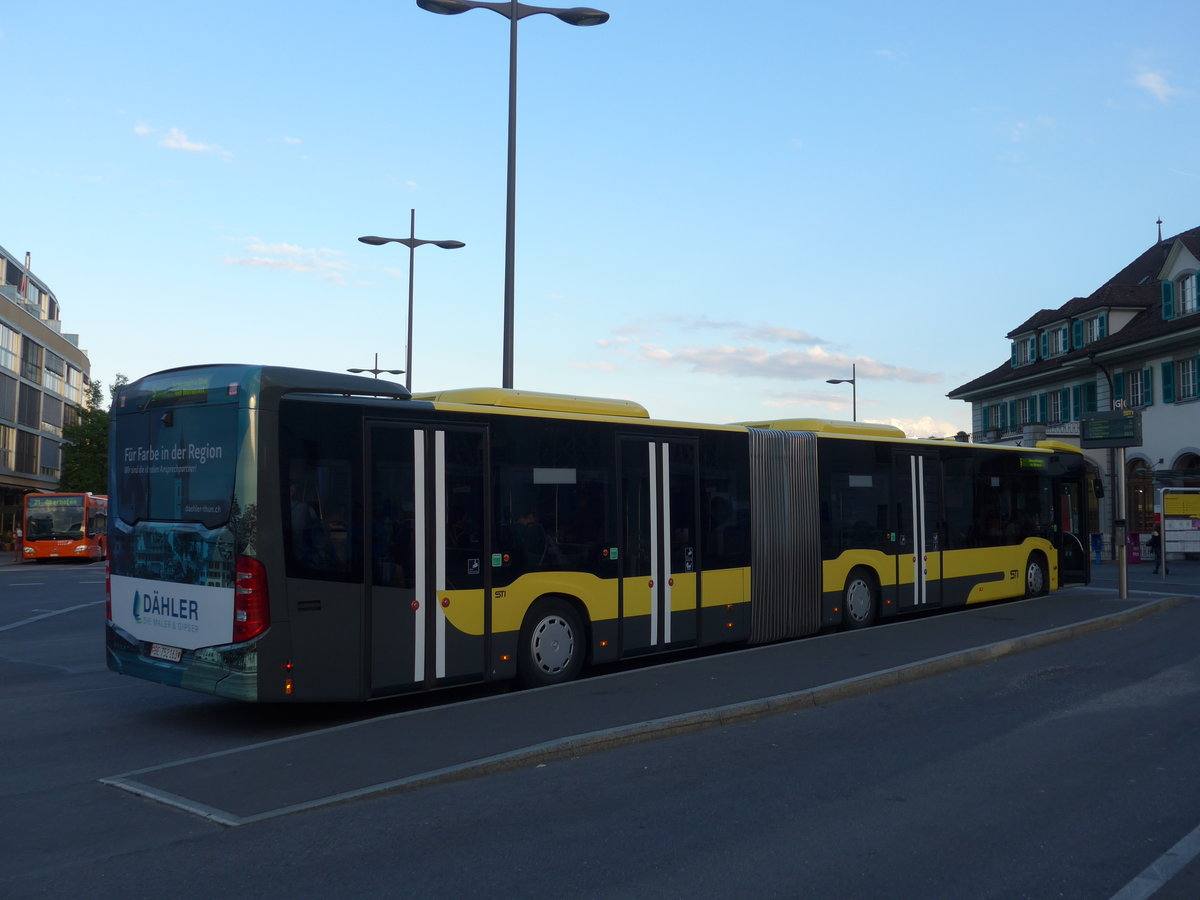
412 243
376 371
853 382
513 11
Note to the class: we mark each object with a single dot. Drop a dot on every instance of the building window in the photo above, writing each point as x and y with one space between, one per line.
8 348
1057 341
1185 292
8 445
1025 410
1185 379
1091 329
1026 350
1054 411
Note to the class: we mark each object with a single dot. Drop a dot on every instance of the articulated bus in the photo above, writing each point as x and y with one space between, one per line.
289 535
65 526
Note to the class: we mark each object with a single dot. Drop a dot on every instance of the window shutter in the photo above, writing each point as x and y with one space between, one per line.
1002 418
1064 405
1013 363
1168 382
1148 386
1066 338
1168 300
1102 325
1118 389
1076 335
1014 420
1089 397
1045 345
1076 402
1043 405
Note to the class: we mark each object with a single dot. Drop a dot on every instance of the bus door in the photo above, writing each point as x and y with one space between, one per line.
1071 534
659 550
426 493
917 524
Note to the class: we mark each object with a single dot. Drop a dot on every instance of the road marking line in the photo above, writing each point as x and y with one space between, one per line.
48 615
1159 872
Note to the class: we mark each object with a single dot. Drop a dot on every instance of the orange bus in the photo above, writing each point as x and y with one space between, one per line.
65 526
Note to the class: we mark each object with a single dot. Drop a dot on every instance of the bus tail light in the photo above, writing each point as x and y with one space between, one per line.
251 608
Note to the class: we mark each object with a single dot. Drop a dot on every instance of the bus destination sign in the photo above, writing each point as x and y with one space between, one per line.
1120 428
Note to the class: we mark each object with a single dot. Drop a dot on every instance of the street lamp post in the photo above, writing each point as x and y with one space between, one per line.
853 382
376 371
412 243
513 11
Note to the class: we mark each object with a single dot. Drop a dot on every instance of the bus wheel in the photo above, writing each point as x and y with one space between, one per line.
1036 580
860 600
552 645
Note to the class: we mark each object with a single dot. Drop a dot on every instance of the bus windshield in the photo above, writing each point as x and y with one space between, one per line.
176 464
54 518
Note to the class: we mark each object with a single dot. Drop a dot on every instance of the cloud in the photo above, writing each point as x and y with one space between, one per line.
292 140
1155 83
751 361
654 326
177 139
290 257
927 426
1024 129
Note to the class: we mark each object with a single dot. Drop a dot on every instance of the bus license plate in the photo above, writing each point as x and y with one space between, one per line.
170 654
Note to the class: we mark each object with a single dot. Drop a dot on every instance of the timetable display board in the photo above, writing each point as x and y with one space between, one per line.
1120 428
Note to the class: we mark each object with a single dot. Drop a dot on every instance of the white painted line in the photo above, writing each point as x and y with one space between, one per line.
48 615
1159 872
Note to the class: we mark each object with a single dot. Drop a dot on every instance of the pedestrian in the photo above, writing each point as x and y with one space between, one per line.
18 535
1155 546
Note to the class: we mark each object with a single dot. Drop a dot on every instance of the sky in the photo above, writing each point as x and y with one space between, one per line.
719 206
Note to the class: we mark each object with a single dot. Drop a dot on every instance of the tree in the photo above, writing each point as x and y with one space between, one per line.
85 444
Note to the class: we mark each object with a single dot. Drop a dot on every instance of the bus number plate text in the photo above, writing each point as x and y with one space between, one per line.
170 654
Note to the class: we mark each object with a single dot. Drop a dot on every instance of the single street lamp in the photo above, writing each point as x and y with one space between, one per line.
853 382
513 11
376 371
412 243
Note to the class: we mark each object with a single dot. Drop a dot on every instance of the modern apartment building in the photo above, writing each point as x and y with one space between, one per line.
43 379
1133 343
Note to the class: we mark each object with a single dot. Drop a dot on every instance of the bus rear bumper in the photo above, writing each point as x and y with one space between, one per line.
204 671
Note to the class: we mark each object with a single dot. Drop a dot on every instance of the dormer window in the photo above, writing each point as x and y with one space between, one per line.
1058 341
1095 328
1185 294
1024 351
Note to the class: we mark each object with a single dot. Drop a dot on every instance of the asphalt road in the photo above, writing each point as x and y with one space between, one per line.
1064 770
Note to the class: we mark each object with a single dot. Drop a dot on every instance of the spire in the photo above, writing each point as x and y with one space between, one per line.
1160 230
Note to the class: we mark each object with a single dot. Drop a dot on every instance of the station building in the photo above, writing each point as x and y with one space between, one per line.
1133 343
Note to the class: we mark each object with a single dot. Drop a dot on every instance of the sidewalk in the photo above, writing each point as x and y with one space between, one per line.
415 748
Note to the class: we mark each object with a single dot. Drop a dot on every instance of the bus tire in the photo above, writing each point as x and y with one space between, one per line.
553 644
1037 577
860 599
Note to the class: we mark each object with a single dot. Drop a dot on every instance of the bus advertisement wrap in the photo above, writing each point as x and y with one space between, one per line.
188 616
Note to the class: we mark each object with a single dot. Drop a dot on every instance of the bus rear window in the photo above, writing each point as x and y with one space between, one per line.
176 464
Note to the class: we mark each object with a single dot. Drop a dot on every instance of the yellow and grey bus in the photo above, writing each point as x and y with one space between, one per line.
281 534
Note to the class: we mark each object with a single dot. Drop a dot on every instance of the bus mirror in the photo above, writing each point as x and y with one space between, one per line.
1098 489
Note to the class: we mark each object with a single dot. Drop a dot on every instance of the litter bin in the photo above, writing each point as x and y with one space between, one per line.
1098 547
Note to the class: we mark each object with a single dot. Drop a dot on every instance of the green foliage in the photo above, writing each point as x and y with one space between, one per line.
85 444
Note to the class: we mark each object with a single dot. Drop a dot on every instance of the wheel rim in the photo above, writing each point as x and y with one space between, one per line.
1036 579
553 644
858 600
